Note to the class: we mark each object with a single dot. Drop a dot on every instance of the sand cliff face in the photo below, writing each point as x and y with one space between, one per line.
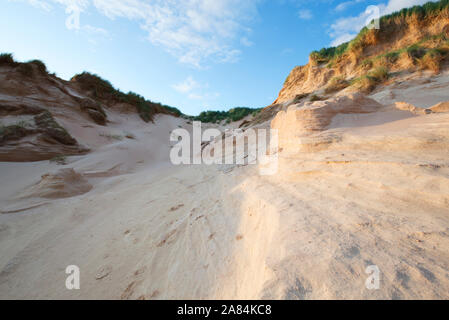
32 110
403 43
301 120
42 116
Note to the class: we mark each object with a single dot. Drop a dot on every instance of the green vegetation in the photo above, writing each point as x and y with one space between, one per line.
100 89
46 123
299 97
421 12
431 60
380 74
327 54
41 67
25 68
421 53
315 97
104 91
415 51
7 59
368 82
14 132
336 84
234 114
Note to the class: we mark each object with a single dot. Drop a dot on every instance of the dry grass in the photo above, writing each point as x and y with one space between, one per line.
315 97
103 91
336 84
431 61
413 39
365 84
411 22
380 74
299 97
370 81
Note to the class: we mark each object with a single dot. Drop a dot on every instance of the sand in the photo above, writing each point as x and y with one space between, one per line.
377 195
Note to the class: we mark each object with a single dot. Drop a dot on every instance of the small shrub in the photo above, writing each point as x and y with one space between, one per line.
7 59
365 83
102 90
13 132
175 111
431 60
415 51
41 67
386 60
145 111
379 74
368 82
327 54
336 84
234 114
299 97
315 97
46 123
392 56
26 70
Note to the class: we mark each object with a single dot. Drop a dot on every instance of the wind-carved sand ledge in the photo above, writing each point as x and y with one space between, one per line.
362 180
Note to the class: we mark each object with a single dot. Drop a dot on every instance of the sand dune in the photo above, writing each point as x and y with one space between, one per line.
366 187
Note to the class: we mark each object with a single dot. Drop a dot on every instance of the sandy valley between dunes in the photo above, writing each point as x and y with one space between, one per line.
377 195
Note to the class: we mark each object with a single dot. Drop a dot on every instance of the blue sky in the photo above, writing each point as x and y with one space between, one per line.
192 54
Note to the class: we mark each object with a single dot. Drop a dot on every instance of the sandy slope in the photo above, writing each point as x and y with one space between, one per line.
378 195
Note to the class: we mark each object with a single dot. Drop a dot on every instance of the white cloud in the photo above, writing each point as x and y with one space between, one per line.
345 29
305 14
41 4
194 31
396 5
194 90
342 38
344 5
187 86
